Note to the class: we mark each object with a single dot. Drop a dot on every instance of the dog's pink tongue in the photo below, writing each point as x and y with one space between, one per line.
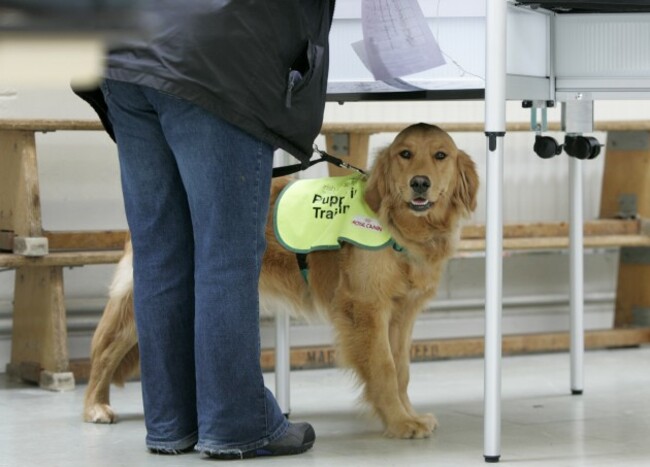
419 201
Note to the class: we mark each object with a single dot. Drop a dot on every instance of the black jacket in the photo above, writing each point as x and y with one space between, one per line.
262 65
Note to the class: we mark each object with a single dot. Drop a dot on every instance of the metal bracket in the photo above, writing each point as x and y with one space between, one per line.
635 255
645 226
578 116
534 123
537 112
31 246
627 206
641 317
61 381
341 144
628 140
7 240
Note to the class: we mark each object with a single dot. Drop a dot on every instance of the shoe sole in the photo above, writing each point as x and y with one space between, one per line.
261 452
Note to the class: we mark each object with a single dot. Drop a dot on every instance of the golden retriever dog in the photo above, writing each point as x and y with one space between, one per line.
421 187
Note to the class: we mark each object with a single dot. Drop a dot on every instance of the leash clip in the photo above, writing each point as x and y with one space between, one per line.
337 162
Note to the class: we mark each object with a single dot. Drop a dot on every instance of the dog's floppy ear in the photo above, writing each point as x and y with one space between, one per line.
376 186
467 183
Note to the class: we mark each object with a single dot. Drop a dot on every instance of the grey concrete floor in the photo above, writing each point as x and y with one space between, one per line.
542 424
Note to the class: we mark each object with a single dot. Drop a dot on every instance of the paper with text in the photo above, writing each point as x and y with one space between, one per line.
397 40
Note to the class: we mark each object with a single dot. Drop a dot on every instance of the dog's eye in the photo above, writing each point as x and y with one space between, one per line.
440 155
405 154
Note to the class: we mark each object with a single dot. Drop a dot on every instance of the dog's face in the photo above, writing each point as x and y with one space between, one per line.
423 171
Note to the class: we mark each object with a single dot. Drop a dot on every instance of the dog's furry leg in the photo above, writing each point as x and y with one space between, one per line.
114 352
400 332
363 333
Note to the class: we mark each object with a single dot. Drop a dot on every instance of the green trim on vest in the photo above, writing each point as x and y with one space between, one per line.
320 214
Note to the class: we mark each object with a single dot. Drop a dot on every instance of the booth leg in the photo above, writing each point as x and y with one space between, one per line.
495 124
576 255
282 361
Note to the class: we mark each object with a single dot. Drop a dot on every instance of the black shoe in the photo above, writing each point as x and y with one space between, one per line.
298 438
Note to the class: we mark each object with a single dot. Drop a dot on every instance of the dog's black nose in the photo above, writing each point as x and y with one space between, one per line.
420 184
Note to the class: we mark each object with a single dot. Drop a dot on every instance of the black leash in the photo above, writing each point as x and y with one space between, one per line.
324 157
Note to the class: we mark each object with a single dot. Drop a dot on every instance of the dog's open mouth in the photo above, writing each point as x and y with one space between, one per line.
420 204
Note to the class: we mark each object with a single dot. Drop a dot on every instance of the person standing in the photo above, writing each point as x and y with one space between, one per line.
197 108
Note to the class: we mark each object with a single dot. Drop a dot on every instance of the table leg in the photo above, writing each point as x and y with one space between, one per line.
495 123
576 275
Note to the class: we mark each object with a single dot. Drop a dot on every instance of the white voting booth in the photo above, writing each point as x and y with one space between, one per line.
570 54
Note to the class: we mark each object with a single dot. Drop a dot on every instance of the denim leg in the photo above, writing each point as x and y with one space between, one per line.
226 176
163 267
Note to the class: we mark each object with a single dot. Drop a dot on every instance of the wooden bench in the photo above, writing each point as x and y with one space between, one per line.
39 339
39 350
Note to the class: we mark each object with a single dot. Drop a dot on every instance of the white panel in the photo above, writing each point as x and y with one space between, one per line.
601 46
528 40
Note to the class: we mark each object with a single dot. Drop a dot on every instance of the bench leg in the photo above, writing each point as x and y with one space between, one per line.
632 291
626 192
39 345
20 206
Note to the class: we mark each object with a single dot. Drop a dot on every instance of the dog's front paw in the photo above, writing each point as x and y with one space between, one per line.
429 420
99 413
417 427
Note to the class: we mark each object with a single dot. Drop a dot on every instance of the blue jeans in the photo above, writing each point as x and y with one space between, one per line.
196 193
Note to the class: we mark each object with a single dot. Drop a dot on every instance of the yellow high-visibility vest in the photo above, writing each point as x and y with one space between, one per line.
321 213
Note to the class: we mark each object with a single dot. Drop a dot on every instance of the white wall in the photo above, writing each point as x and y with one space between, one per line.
80 190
